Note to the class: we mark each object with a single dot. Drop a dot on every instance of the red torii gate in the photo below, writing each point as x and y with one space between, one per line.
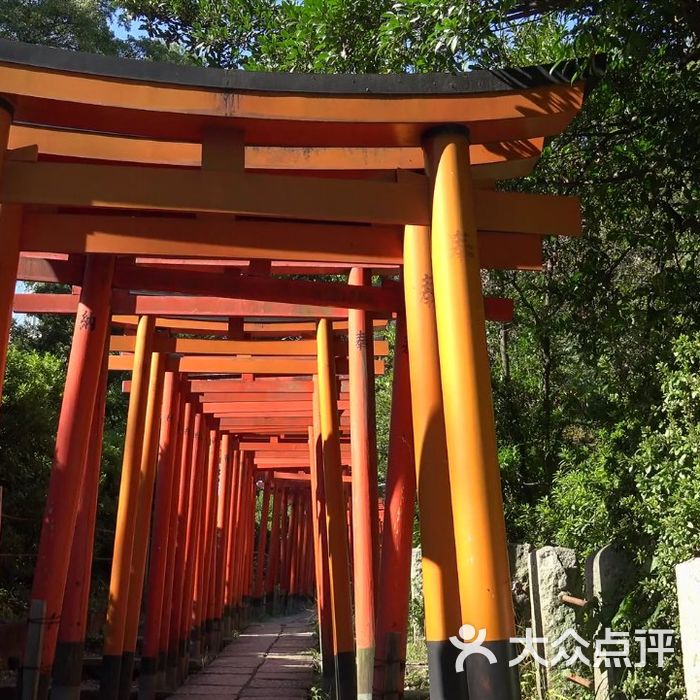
126 179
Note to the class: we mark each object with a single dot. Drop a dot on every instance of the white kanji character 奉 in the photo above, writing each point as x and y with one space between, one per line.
576 655
529 648
613 650
467 632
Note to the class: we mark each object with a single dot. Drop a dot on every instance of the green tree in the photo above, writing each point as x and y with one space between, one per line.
30 404
81 25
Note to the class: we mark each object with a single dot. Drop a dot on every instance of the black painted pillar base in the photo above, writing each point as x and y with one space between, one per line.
147 678
171 679
206 641
217 635
111 672
126 675
328 673
345 676
161 665
226 623
67 671
182 660
445 682
196 647
258 607
43 686
493 681
247 610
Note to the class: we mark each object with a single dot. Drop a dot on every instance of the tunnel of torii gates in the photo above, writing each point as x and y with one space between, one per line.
184 207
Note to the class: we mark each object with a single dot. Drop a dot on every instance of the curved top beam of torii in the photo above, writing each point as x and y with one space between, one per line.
74 90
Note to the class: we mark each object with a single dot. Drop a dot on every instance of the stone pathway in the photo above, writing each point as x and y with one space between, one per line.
271 659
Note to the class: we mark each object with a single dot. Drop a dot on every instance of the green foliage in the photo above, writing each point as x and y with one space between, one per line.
31 398
383 388
222 33
646 496
68 24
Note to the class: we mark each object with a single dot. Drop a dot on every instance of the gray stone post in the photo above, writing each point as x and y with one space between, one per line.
688 581
609 577
553 571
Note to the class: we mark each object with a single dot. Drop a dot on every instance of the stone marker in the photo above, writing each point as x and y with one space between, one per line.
688 581
610 575
553 571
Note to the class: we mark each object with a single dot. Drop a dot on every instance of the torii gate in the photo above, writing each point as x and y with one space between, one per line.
129 178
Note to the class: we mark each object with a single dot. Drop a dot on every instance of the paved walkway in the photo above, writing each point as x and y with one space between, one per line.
271 659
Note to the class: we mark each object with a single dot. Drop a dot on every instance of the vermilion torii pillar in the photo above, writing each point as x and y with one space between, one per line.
320 541
117 609
336 519
477 505
440 584
68 470
68 667
196 489
222 532
167 481
397 534
364 491
149 456
170 630
234 537
203 624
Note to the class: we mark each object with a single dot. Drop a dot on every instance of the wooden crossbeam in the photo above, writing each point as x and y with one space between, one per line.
268 384
291 291
195 346
195 364
277 267
257 389
139 304
282 447
222 238
302 478
225 285
219 192
37 269
494 161
495 309
251 329
257 431
254 416
266 407
215 237
269 399
67 269
287 197
251 423
273 418
125 104
266 457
